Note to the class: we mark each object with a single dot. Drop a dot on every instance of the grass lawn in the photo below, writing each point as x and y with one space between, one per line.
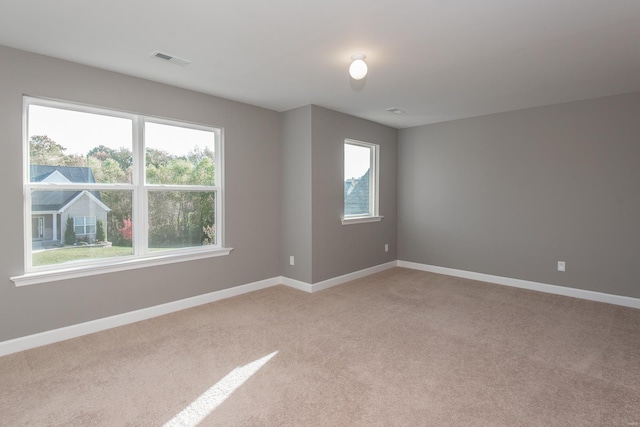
57 256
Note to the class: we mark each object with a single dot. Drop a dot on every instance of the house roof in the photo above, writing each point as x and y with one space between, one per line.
44 200
51 200
356 195
40 173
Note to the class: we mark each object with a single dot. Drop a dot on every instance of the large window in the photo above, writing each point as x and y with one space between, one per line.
360 182
105 187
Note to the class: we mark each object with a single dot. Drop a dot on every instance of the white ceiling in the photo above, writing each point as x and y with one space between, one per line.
435 59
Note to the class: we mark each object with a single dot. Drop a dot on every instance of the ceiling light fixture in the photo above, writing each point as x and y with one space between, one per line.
358 68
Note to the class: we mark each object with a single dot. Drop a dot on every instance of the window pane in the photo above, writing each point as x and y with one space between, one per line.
90 224
78 222
71 146
357 179
72 225
179 155
180 219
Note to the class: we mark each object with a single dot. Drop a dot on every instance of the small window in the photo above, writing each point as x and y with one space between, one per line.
360 182
84 225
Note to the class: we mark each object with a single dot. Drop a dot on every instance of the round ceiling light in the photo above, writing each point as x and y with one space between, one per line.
358 68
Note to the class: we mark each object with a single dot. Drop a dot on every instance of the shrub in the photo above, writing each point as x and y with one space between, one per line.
126 231
100 234
69 233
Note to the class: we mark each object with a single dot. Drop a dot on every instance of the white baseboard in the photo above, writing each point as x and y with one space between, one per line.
325 284
80 329
296 284
73 331
526 284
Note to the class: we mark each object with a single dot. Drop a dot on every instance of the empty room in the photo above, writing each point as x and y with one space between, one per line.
320 213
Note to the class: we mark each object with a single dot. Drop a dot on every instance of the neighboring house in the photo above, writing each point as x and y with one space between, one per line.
356 195
51 209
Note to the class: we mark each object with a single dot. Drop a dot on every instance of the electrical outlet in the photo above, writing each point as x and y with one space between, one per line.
561 266
386 247
292 260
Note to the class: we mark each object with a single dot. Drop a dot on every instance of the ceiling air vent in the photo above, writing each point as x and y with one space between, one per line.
170 58
394 110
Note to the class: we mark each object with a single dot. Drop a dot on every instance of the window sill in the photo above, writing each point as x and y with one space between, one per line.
361 219
129 264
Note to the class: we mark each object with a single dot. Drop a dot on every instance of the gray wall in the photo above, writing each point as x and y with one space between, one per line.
340 249
511 194
253 213
296 194
508 194
283 176
313 191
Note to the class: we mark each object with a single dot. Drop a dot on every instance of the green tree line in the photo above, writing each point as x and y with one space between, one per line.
176 218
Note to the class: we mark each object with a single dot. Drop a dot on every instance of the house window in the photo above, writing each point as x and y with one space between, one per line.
360 182
138 188
84 225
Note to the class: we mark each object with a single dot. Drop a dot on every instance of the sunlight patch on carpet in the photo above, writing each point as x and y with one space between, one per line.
204 405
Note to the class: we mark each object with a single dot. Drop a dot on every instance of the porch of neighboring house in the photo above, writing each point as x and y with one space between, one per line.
46 231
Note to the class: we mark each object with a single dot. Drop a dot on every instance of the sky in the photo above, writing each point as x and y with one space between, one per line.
356 160
80 132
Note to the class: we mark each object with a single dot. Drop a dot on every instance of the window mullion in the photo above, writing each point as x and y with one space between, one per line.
139 193
219 181
53 186
192 188
28 232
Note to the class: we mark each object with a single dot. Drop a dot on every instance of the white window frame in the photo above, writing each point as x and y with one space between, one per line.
374 187
141 256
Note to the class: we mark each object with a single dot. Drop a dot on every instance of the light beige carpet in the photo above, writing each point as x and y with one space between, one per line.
399 348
